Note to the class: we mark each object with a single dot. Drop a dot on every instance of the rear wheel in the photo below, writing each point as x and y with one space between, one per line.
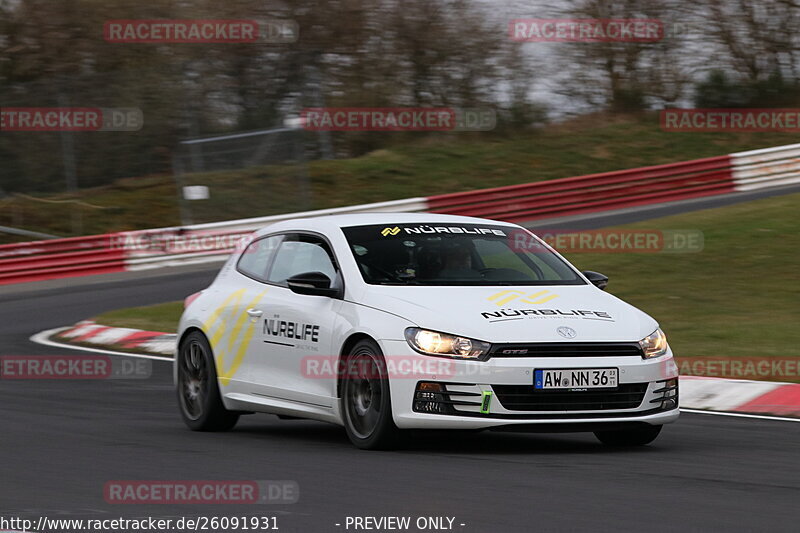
199 398
366 404
629 437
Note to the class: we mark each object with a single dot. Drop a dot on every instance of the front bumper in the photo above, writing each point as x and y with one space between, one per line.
505 382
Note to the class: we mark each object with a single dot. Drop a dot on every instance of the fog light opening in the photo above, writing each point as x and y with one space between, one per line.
669 394
428 398
669 404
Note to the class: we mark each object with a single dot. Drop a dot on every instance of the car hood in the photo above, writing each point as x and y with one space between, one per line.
515 314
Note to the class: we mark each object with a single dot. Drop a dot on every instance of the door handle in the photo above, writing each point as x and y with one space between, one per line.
254 313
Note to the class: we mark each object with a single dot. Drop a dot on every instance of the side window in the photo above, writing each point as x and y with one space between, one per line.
299 254
257 256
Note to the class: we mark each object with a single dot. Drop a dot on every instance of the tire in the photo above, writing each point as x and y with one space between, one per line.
199 399
629 437
365 402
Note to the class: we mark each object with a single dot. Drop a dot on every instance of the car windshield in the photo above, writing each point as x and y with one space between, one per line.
455 254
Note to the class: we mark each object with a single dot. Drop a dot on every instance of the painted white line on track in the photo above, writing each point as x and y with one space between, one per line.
740 415
44 339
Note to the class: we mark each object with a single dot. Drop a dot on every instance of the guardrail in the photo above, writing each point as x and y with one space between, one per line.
594 192
60 258
770 167
136 250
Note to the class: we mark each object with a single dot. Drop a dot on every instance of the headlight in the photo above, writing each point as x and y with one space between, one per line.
435 343
654 345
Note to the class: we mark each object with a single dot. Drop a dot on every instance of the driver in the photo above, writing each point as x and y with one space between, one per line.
457 263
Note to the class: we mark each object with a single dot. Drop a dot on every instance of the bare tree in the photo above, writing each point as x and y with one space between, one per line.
628 76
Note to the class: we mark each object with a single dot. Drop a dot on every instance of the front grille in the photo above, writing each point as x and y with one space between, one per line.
567 349
526 398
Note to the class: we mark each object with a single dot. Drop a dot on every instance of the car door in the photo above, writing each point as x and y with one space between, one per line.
234 319
297 329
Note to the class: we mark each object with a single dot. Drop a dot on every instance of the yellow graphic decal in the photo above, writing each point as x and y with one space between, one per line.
232 311
538 298
503 297
390 231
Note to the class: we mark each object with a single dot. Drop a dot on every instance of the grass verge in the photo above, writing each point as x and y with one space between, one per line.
161 317
738 297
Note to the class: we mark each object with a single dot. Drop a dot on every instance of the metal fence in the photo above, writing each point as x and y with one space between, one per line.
265 170
70 183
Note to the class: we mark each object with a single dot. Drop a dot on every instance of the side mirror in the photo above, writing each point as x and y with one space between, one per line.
596 278
312 284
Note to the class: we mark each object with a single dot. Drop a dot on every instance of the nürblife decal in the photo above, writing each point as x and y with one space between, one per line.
536 298
425 229
291 333
520 314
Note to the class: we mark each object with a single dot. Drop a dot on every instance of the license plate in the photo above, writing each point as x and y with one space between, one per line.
578 378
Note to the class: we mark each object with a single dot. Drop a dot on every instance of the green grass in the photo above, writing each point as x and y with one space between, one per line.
160 317
738 297
413 166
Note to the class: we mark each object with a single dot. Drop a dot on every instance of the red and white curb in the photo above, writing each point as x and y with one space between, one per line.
733 396
740 396
89 332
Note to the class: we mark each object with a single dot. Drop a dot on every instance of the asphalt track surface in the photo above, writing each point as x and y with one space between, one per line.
61 441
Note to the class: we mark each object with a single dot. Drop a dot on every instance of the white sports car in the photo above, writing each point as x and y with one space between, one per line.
385 322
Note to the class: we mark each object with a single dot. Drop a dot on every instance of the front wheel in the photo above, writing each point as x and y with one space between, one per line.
365 402
629 437
199 398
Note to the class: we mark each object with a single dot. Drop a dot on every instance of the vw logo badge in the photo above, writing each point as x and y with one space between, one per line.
567 333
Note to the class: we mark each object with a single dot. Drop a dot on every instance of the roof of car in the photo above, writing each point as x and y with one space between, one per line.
366 219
